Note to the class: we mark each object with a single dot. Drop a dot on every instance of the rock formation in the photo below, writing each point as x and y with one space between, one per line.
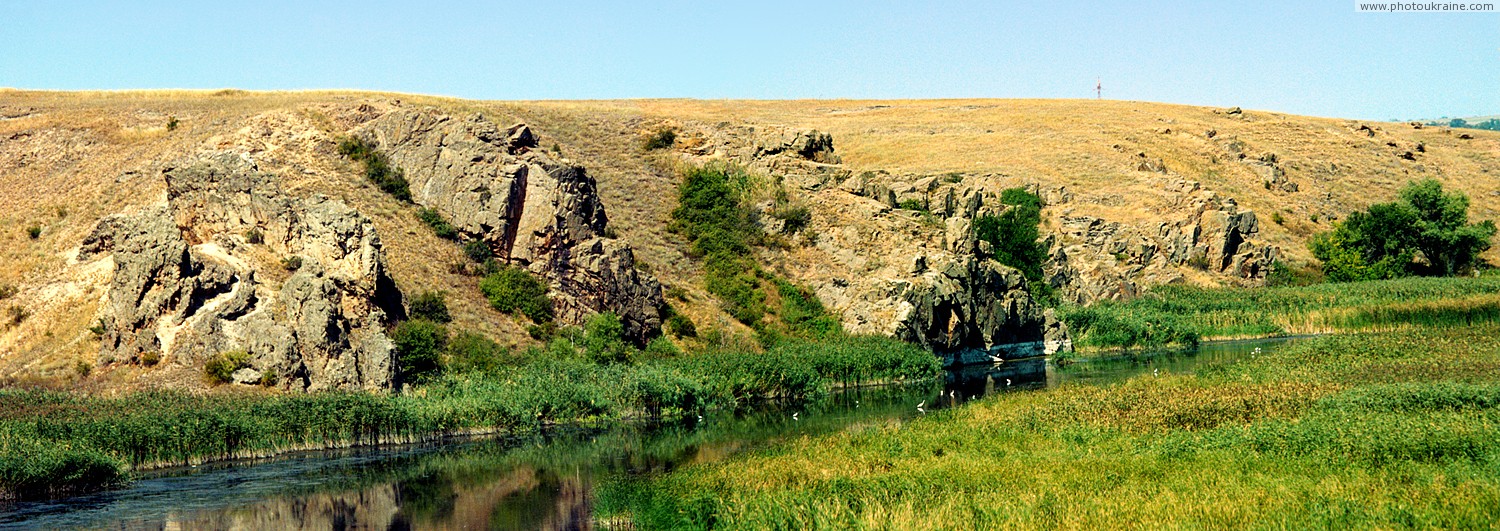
1093 259
531 209
190 281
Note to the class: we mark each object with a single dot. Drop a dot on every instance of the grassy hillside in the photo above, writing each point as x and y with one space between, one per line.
67 159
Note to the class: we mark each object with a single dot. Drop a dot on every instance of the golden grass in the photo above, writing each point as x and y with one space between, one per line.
71 151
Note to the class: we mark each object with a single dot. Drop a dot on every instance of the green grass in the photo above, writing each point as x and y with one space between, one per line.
1184 314
1371 430
54 443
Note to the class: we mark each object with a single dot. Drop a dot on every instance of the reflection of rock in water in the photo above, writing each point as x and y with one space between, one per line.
978 380
373 508
525 498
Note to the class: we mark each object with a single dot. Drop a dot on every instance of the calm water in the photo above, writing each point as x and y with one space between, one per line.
562 479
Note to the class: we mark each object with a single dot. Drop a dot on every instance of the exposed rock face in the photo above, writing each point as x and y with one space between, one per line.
187 287
531 209
1095 260
974 308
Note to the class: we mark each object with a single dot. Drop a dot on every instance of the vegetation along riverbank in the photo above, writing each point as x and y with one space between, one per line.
57 442
1387 429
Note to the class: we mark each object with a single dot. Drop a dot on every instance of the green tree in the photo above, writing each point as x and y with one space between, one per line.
1425 232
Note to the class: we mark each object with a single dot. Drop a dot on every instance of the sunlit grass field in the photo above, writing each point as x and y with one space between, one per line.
1370 430
1186 314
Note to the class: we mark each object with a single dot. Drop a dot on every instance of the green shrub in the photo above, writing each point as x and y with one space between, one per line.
542 331
673 292
419 347
1013 235
430 305
803 314
83 368
911 204
512 289
722 230
255 237
171 123
661 348
291 263
794 217
220 368
660 139
478 251
1277 219
34 231
377 167
7 291
150 358
440 226
471 352
681 326
17 314
604 339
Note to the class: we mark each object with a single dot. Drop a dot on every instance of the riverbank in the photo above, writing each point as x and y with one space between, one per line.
1186 315
56 443
1387 429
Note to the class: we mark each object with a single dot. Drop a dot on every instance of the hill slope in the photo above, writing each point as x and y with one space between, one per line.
1123 180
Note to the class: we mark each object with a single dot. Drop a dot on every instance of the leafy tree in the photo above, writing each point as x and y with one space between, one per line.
1425 232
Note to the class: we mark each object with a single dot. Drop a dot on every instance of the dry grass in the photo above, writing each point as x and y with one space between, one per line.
72 151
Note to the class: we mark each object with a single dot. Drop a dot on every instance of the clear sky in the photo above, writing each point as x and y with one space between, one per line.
1317 57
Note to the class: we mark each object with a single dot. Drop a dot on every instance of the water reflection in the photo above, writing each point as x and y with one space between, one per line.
556 480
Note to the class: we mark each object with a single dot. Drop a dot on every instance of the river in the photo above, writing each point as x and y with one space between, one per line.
564 478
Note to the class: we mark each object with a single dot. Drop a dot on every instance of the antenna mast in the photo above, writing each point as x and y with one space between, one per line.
1099 88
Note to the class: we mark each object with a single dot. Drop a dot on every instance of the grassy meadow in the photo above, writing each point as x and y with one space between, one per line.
1372 430
1186 314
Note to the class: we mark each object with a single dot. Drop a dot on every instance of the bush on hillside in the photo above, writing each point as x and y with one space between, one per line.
419 347
378 168
430 305
1013 235
512 289
1426 232
440 226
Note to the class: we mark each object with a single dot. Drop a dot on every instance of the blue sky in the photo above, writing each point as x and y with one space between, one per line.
1316 57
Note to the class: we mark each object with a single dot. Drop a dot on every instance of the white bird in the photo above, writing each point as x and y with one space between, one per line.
994 358
1007 382
950 393
700 418
1156 372
794 414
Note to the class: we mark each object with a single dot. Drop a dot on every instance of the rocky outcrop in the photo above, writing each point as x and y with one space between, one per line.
189 281
974 310
532 210
1093 259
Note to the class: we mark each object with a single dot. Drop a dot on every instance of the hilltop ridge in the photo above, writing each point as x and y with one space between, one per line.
1138 194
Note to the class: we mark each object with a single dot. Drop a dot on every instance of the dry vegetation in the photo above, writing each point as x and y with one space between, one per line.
67 159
